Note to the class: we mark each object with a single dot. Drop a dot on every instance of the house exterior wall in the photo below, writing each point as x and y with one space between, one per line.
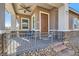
35 12
43 10
72 15
53 17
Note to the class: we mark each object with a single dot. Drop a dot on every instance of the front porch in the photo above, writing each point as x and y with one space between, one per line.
38 36
59 43
19 42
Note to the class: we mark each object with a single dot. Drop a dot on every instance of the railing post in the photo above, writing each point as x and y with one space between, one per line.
35 38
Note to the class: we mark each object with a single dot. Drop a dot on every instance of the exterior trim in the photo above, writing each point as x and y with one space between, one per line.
32 22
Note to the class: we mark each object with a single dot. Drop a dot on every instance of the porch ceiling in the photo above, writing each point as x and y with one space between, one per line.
56 4
33 6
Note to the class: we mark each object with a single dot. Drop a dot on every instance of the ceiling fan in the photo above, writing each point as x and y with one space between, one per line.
24 8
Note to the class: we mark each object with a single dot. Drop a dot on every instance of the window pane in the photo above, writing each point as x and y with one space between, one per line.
25 26
24 20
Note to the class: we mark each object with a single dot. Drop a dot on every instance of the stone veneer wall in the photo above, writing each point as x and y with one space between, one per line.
0 45
71 34
72 40
3 44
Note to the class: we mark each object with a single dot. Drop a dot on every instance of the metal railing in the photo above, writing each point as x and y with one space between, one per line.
18 42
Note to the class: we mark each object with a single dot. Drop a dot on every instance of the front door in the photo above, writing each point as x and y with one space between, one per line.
44 23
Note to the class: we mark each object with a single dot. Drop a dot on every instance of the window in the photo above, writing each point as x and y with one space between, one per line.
76 23
25 23
17 24
33 22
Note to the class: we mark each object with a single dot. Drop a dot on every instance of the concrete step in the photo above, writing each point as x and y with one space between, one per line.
58 43
59 47
66 52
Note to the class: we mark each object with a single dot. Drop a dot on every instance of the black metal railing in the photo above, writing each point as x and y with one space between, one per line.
18 42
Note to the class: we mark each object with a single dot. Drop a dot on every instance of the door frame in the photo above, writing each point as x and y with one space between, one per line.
40 20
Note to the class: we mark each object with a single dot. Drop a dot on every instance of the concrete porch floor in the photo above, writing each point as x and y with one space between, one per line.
19 45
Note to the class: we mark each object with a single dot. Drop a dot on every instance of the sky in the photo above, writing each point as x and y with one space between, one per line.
74 6
7 19
8 15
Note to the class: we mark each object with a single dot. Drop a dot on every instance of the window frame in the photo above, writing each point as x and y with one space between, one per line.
75 19
24 23
34 22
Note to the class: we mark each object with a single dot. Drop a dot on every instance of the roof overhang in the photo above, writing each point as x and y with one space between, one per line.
73 10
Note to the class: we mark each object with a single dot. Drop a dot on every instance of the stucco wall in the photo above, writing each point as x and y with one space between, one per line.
53 17
36 12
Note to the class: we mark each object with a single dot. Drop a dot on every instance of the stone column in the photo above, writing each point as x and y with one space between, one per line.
2 27
63 19
2 16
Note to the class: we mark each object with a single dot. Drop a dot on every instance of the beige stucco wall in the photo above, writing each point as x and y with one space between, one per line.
53 17
36 12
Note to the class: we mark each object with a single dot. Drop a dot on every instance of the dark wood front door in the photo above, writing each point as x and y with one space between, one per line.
44 22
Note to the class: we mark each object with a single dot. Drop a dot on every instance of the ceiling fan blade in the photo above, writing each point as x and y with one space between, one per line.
20 9
27 7
22 6
28 10
24 11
